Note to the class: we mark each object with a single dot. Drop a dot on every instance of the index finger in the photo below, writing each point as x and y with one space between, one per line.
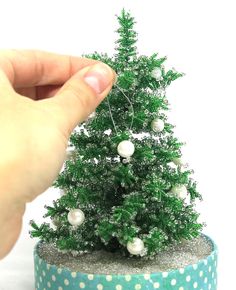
27 68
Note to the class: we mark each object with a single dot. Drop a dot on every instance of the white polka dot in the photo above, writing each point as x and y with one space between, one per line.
213 274
156 285
49 285
81 285
209 287
38 285
44 274
146 276
181 270
73 274
53 278
205 262
127 278
215 281
205 280
60 288
48 266
40 279
137 287
165 274
66 282
200 273
108 278
99 287
59 270
90 276
209 269
173 282
195 285
195 266
181 288
188 278
118 287
40 262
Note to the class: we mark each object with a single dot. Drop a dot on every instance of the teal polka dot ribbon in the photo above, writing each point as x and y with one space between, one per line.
200 276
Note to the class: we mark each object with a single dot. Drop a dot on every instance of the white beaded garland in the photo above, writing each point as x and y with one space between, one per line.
75 217
157 73
180 191
136 247
157 125
125 148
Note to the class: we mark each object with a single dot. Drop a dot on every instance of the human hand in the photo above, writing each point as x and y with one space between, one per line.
43 96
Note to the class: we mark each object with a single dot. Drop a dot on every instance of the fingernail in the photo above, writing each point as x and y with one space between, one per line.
99 77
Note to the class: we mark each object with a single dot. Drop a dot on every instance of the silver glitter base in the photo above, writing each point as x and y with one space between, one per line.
102 262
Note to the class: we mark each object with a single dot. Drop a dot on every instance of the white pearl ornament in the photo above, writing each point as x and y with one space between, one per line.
157 125
70 153
136 247
180 191
55 222
126 160
157 73
179 162
92 115
125 148
76 217
62 192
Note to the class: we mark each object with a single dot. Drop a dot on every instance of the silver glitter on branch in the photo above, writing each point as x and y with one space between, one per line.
132 108
130 105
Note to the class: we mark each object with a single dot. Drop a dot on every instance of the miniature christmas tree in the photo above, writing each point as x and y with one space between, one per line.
121 190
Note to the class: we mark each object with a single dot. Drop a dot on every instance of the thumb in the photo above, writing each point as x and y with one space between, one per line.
81 94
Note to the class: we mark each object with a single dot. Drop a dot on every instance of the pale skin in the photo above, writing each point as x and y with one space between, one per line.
43 97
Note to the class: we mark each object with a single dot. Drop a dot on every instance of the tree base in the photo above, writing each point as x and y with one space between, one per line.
175 269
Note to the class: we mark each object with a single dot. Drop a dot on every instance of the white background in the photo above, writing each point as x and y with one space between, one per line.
199 39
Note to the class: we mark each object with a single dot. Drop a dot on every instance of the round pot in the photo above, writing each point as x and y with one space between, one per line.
200 276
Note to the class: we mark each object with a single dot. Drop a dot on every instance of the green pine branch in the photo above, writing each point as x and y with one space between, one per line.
126 48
